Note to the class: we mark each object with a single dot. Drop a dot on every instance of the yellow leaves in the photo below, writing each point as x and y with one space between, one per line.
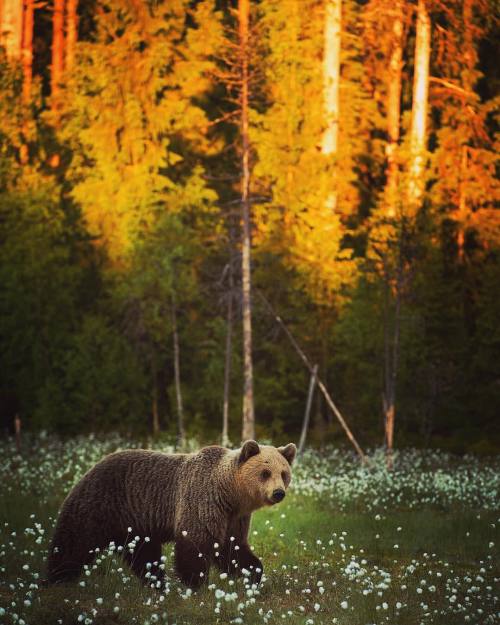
132 95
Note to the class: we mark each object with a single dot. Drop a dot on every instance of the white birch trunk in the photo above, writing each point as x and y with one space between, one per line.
248 430
331 82
394 108
11 27
418 140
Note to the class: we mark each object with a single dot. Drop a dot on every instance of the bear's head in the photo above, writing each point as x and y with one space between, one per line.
263 473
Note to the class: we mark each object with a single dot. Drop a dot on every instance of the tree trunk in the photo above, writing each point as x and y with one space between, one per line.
419 107
27 63
11 28
57 52
227 364
181 435
248 430
71 33
331 82
394 109
156 417
27 55
307 414
462 203
391 358
17 428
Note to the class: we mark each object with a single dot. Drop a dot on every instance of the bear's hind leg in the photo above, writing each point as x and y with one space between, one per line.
191 563
146 553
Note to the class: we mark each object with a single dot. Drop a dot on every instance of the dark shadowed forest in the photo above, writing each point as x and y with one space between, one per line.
189 190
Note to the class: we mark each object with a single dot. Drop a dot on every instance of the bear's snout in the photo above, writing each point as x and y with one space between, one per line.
278 495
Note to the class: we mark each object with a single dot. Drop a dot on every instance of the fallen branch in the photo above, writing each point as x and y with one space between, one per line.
321 386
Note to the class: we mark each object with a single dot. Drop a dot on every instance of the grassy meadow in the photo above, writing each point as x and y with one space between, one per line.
349 545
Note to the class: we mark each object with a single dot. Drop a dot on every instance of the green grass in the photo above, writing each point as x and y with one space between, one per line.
306 544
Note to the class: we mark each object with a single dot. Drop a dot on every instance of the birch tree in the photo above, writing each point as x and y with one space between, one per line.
248 430
181 432
394 81
418 132
11 28
331 81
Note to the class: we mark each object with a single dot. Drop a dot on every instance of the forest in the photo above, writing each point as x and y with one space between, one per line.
194 191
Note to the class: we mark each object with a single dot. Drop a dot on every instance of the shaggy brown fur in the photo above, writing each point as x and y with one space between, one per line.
196 500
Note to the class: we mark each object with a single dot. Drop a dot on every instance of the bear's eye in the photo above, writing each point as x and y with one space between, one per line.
266 474
284 476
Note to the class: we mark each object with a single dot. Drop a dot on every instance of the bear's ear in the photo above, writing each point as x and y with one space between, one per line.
249 449
289 452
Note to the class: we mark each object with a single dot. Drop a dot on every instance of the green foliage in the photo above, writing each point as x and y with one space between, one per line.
41 288
98 384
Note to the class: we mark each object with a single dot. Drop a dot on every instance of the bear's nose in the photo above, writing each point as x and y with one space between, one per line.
278 494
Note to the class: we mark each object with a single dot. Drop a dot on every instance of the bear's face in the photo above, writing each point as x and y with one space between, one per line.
264 473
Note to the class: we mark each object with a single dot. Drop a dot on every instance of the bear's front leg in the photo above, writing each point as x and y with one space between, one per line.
145 559
233 558
191 561
235 554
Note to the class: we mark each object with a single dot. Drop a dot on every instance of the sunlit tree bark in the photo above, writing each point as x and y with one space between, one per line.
418 139
394 107
57 51
331 82
27 52
27 63
71 32
11 27
248 430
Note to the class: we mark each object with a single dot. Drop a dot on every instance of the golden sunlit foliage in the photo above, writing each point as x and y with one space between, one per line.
130 118
370 174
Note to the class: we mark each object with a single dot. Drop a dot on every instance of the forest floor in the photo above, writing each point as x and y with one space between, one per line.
349 545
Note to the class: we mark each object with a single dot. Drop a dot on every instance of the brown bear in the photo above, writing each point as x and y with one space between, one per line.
202 501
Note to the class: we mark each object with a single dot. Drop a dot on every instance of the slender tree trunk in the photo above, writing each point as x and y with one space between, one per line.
418 139
394 108
307 414
27 55
17 428
27 63
391 358
71 33
155 414
331 82
462 203
11 28
227 364
57 52
248 430
181 435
